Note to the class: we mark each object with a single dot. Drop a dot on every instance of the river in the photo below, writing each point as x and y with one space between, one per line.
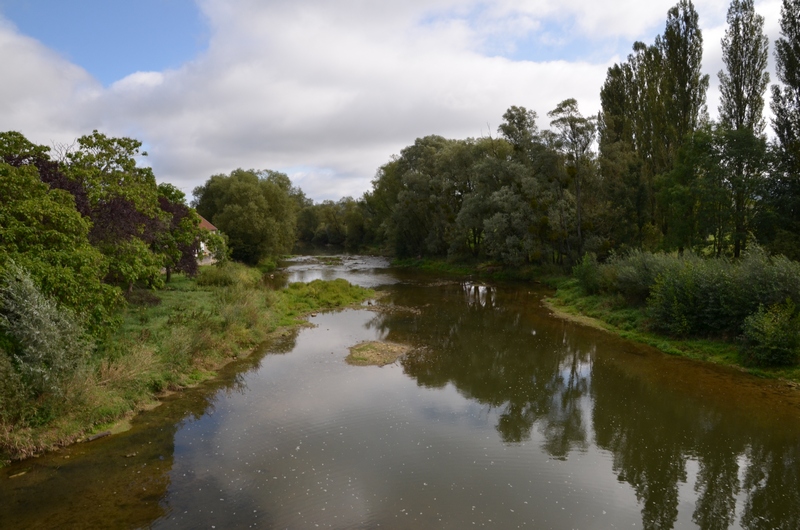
501 416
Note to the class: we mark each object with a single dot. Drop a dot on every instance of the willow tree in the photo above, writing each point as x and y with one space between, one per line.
253 208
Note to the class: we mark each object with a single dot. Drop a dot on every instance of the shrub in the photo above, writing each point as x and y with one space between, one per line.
715 296
48 344
267 265
587 273
229 273
635 274
772 336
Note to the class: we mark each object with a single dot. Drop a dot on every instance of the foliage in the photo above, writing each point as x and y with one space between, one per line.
333 223
178 243
253 208
587 272
45 346
18 151
319 294
714 297
229 273
745 51
575 135
771 337
216 245
124 207
783 198
634 274
43 233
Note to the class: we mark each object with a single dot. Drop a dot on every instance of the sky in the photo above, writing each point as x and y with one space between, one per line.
325 91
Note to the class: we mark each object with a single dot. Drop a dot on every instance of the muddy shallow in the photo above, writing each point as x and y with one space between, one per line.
500 416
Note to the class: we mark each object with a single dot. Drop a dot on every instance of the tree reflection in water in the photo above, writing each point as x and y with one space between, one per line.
487 344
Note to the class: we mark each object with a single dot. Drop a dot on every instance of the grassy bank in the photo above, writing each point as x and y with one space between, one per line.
615 315
611 312
169 339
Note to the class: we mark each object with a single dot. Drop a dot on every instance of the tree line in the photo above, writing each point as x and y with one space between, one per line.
650 171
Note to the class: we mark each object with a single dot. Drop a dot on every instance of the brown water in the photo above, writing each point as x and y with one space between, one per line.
501 417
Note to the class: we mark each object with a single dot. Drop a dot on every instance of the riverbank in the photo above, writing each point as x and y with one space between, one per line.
550 276
172 339
613 315
608 313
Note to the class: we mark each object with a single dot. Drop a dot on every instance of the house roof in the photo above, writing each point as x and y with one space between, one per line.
206 225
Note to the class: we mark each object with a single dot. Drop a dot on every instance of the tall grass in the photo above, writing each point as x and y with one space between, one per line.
168 341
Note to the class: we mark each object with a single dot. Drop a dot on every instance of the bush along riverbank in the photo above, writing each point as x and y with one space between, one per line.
739 313
58 387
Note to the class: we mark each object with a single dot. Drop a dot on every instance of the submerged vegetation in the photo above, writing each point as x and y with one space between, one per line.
375 353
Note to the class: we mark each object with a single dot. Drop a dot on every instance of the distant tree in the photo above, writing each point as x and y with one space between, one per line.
253 208
178 243
784 197
576 135
519 128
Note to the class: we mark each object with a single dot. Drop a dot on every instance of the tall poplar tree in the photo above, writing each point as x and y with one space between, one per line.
745 50
785 192
786 97
683 85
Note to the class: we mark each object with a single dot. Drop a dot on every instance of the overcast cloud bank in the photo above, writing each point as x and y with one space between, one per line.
328 91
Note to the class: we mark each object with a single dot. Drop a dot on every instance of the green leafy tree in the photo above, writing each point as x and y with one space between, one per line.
742 85
124 208
784 197
576 135
745 50
43 233
178 242
254 209
683 83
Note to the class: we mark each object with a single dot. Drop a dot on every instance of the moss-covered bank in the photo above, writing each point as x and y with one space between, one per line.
169 340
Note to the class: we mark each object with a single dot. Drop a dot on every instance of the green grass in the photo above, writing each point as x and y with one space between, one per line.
299 299
615 315
171 339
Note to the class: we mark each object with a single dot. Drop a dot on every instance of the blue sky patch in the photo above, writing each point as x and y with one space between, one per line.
112 39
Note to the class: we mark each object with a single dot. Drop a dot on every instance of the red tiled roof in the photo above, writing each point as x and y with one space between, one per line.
206 225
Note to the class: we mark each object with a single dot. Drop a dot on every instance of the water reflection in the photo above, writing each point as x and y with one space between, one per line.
541 375
500 416
493 352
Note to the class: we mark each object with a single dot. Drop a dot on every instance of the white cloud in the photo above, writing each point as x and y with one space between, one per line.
40 89
334 88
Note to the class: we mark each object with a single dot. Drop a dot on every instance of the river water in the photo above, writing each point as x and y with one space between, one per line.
501 416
